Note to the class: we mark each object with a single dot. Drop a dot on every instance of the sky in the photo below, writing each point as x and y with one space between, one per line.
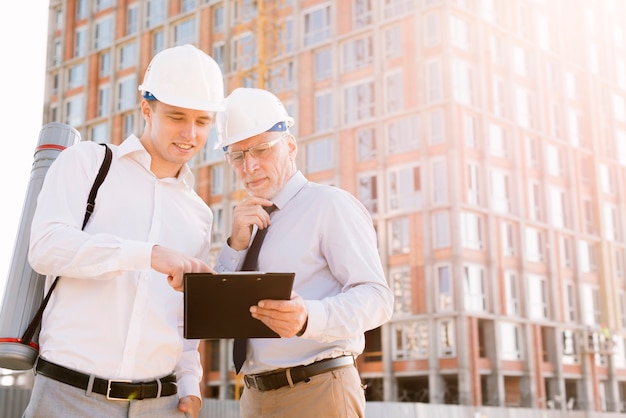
23 40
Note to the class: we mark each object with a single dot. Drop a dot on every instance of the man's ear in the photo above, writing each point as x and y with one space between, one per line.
146 110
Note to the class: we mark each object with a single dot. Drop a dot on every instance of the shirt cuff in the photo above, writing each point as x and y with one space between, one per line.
230 259
188 386
136 256
317 319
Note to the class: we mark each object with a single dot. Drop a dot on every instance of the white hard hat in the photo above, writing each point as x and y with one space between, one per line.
184 76
249 112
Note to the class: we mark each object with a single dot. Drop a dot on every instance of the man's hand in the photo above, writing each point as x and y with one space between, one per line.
175 264
190 405
248 213
286 317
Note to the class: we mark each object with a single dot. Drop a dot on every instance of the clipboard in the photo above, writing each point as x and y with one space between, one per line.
218 305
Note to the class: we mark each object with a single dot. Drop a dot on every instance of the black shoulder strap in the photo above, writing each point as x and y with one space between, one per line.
102 173
91 201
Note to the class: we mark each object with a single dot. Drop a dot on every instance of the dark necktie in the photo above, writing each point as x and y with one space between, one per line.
250 263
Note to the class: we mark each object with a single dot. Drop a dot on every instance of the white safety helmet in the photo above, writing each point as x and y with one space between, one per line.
184 76
249 112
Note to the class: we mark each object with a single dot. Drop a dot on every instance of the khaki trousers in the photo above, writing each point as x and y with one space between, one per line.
334 394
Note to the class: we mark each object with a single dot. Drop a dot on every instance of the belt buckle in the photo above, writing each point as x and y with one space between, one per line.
250 381
111 381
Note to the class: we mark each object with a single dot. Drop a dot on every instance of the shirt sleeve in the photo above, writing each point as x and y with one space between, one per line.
349 245
58 246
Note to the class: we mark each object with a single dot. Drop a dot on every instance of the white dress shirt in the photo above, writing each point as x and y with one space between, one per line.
326 236
112 315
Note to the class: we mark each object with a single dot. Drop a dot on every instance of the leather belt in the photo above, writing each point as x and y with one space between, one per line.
290 376
113 389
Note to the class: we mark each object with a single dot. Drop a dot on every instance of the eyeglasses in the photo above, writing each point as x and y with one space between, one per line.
237 158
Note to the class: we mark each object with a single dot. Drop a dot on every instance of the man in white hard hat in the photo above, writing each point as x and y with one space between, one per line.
111 342
327 238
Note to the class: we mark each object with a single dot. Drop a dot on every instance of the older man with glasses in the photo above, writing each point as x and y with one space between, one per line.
327 238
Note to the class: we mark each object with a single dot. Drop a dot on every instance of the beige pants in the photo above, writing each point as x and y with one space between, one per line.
335 394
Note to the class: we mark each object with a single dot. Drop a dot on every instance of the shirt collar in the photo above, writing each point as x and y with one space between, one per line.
291 188
132 145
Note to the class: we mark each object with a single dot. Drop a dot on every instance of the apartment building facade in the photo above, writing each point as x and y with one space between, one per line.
486 137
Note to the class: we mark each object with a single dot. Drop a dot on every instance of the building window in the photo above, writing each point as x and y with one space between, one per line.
82 9
129 124
532 152
323 64
404 188
317 26
80 42
105 64
512 291
128 56
587 257
359 102
366 143
392 37
399 236
432 34
185 32
570 302
281 78
127 93
158 42
441 230
217 179
219 19
462 82
436 125
104 101
217 232
534 245
103 33
446 338
510 341
76 76
444 289
536 201
155 13
434 85
508 238
403 135
218 55
459 33
244 52
75 111
591 313
440 181
500 189
588 216
402 285
396 8
367 192
320 155
357 53
410 341
537 297
469 131
497 141
558 207
567 251
187 5
570 347
100 133
394 92
323 111
132 19
474 288
471 231
473 184
362 13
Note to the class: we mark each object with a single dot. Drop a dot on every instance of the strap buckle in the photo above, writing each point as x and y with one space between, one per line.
109 383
